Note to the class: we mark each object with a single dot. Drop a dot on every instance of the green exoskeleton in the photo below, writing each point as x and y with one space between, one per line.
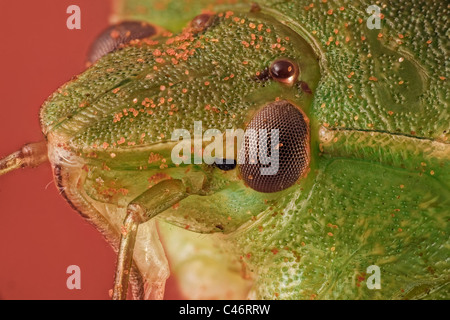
363 175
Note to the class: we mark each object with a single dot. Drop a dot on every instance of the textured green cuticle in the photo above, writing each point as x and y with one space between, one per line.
357 214
377 192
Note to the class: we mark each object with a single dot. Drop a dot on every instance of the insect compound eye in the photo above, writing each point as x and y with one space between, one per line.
114 36
284 71
275 150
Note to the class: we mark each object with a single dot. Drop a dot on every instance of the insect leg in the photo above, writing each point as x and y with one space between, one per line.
146 206
31 155
125 257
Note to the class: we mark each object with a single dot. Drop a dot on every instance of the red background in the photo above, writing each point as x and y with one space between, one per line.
40 235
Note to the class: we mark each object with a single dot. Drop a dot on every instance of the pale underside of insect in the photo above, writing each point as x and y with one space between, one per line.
372 167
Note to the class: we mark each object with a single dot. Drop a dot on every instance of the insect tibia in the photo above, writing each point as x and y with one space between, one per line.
31 155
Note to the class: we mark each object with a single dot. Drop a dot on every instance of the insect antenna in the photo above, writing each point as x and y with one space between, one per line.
31 155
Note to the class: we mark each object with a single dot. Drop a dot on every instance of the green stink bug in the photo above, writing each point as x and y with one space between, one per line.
374 191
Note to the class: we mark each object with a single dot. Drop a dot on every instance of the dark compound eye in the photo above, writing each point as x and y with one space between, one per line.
284 71
118 34
292 148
